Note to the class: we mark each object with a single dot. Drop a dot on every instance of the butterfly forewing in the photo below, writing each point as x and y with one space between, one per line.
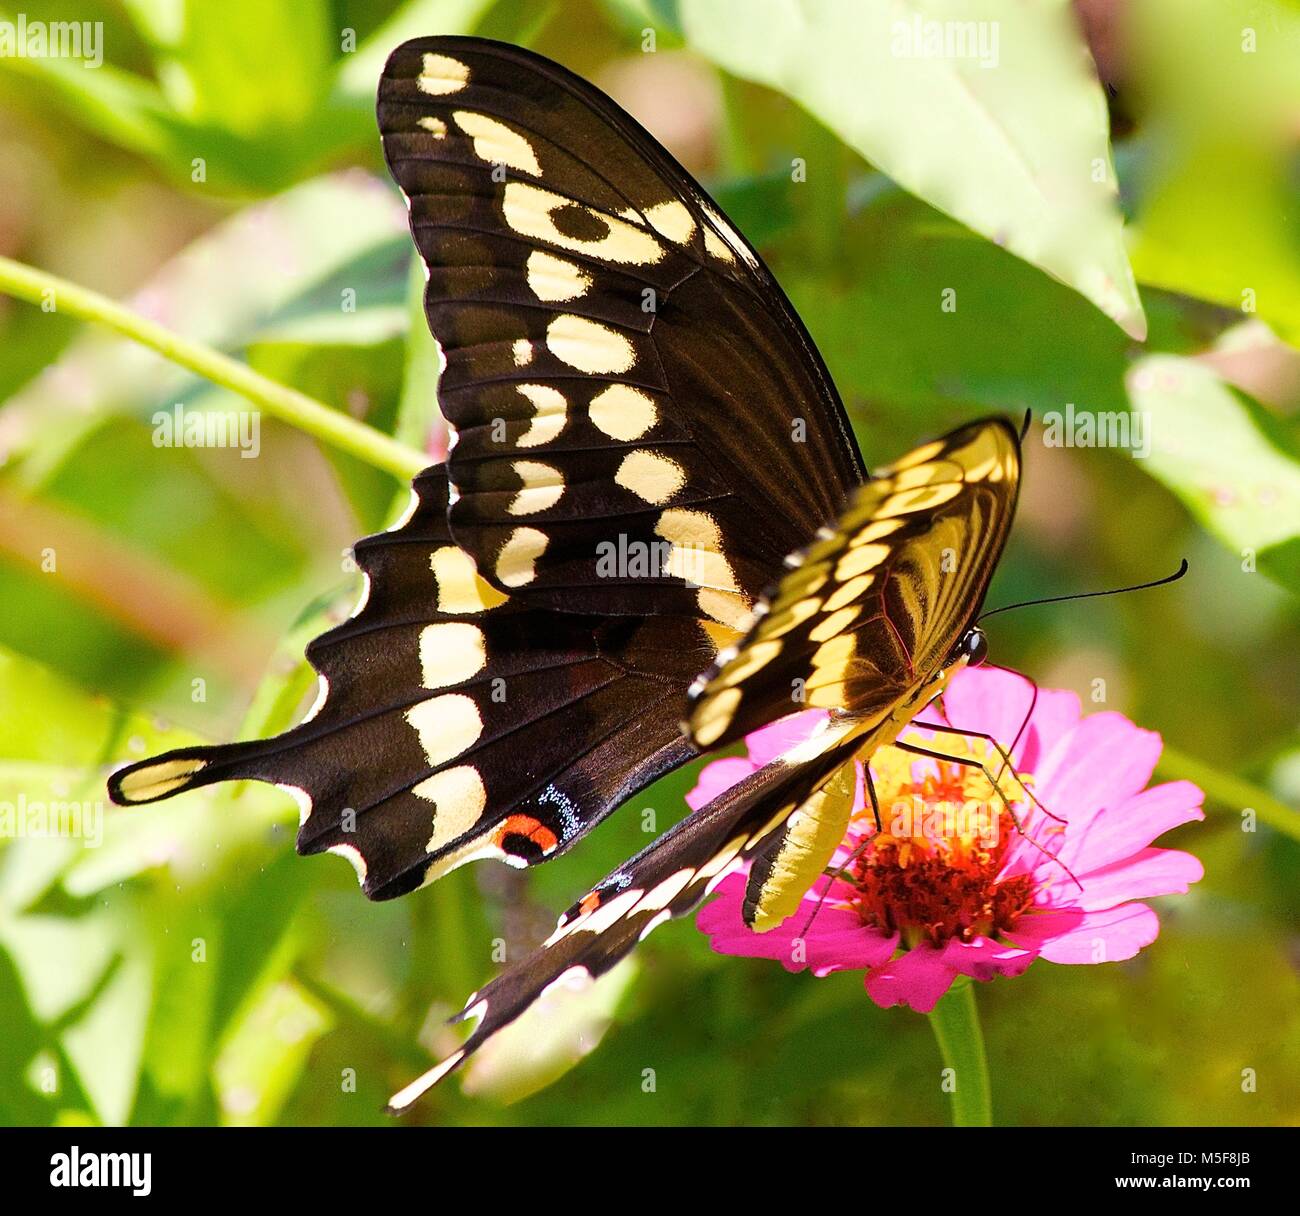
632 395
442 700
878 602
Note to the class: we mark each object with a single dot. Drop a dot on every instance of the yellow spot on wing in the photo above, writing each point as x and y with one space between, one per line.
874 531
543 487
753 658
650 476
589 346
846 593
440 75
515 561
623 412
434 125
860 560
551 410
780 623
728 608
451 652
919 456
552 278
460 588
528 210
496 143
923 498
155 780
696 553
835 654
459 800
834 624
672 219
711 720
716 246
447 725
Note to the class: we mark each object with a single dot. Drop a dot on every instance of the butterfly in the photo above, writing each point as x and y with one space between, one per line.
653 533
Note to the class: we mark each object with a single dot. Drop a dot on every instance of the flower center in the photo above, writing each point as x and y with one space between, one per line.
931 873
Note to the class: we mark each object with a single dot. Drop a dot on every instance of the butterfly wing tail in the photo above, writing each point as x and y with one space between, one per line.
174 772
667 879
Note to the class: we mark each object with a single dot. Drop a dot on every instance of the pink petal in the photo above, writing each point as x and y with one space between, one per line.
995 701
1145 874
1102 762
718 777
837 939
1133 824
984 958
1071 936
769 742
917 979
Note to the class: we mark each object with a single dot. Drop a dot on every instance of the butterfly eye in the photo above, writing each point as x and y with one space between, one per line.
974 647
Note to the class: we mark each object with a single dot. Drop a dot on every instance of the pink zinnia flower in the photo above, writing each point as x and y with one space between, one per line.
951 886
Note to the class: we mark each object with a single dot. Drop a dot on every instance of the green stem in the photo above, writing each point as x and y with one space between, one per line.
297 409
1232 793
956 1024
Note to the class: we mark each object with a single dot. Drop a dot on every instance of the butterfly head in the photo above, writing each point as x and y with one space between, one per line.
973 647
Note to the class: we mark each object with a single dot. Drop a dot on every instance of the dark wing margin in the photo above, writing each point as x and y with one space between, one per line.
875 606
433 739
667 879
623 375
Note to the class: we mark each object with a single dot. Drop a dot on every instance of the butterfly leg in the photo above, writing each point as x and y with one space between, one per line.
1006 760
965 762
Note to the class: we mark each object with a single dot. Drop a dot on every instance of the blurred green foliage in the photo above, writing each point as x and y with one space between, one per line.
179 964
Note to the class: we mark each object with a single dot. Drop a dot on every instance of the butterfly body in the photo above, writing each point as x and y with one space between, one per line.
651 477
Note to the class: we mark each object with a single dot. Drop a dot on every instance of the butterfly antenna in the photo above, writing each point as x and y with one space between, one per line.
1087 595
1024 426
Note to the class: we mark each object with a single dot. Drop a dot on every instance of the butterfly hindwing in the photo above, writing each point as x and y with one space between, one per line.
441 701
878 602
667 879
626 381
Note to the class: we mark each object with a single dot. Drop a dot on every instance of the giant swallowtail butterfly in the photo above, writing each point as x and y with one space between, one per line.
643 431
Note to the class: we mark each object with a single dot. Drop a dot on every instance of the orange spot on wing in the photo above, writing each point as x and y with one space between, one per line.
530 828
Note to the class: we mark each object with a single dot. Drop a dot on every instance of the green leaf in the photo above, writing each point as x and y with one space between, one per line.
265 270
1009 136
261 1061
244 65
1216 220
1226 457
107 1044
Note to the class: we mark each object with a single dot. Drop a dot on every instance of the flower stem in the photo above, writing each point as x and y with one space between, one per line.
297 409
955 1021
